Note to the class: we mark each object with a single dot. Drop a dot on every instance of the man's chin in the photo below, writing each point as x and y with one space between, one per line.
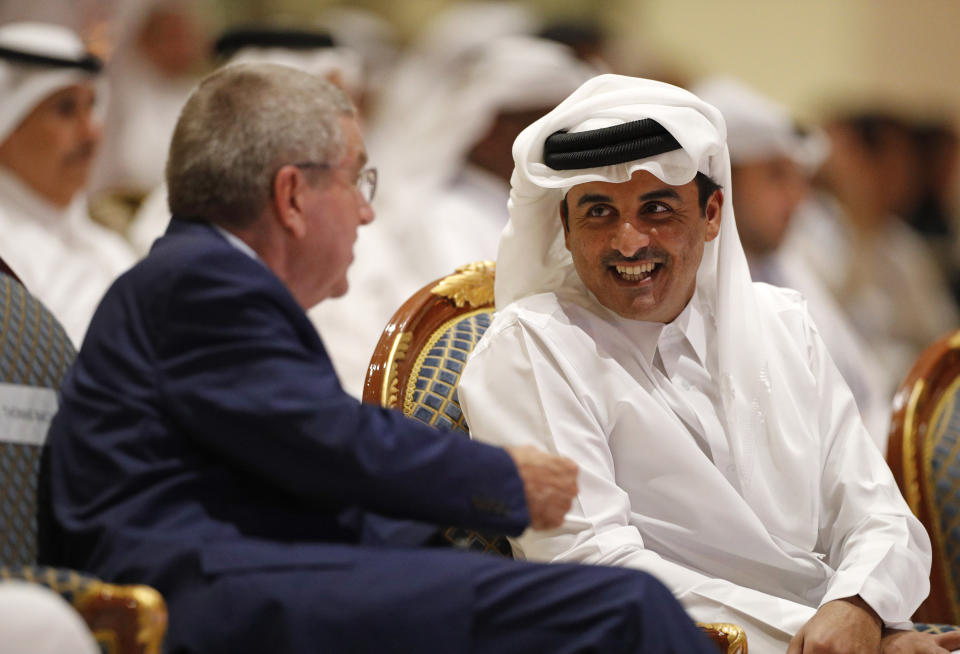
340 290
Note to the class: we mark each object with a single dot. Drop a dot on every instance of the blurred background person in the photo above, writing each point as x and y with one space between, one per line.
421 76
49 132
373 39
851 233
161 48
445 183
313 51
933 213
771 161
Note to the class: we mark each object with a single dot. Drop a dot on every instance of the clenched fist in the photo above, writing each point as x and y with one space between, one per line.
549 482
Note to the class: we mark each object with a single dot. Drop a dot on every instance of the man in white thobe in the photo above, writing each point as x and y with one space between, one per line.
719 447
48 136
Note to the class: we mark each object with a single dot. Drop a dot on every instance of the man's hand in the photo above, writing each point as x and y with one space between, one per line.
549 482
844 626
912 642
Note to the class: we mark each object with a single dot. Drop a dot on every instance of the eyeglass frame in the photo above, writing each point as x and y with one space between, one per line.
366 178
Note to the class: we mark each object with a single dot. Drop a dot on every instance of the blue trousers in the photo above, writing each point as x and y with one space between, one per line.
429 601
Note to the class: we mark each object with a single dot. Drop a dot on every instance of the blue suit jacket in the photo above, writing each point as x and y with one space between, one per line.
202 429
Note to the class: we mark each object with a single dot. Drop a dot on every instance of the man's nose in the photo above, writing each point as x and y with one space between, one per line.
366 213
90 128
629 238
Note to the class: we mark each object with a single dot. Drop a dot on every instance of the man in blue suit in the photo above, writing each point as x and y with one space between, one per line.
204 445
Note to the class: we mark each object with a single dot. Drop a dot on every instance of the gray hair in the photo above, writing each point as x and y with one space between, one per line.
241 124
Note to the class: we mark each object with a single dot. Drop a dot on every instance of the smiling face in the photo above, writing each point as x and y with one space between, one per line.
637 245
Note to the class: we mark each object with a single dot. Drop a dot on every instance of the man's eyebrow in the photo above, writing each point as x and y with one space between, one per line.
659 194
362 158
590 198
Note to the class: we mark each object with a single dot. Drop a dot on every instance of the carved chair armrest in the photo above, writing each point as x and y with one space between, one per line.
124 619
730 638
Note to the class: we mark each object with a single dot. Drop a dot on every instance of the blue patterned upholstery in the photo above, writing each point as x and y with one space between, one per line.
432 393
69 583
934 628
431 397
942 457
34 351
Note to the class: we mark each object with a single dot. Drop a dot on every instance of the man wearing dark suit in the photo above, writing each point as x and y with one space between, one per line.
204 444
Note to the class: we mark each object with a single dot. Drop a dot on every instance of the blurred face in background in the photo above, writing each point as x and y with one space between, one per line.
765 193
872 168
52 150
173 40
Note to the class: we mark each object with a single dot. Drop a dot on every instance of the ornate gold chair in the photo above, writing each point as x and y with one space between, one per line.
35 352
923 452
416 367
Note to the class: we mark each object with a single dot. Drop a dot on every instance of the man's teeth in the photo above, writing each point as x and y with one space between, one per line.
635 273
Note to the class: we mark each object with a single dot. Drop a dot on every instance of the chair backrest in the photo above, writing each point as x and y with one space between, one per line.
35 353
417 363
7 270
923 452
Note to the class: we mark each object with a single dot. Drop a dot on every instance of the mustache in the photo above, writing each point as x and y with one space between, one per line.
643 254
82 152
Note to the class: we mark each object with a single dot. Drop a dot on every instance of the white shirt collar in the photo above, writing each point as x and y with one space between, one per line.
19 197
689 326
237 242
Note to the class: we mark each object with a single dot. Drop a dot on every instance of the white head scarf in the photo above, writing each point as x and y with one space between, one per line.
753 348
24 86
510 73
758 128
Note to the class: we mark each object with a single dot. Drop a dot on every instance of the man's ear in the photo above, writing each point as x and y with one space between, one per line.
289 185
711 214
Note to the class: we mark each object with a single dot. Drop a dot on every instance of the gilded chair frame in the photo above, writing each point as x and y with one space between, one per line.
919 425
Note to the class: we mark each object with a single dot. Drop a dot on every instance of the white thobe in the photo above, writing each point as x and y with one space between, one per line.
605 391
62 256
847 348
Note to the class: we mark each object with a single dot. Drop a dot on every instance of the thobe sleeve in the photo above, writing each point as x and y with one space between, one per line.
519 390
878 548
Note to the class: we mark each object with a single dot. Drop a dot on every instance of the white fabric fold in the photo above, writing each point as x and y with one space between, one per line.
804 512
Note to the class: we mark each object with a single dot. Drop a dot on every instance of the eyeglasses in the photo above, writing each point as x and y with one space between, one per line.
366 181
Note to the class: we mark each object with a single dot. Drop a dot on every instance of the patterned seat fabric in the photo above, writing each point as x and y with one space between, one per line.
34 351
432 398
923 452
69 583
942 480
934 628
